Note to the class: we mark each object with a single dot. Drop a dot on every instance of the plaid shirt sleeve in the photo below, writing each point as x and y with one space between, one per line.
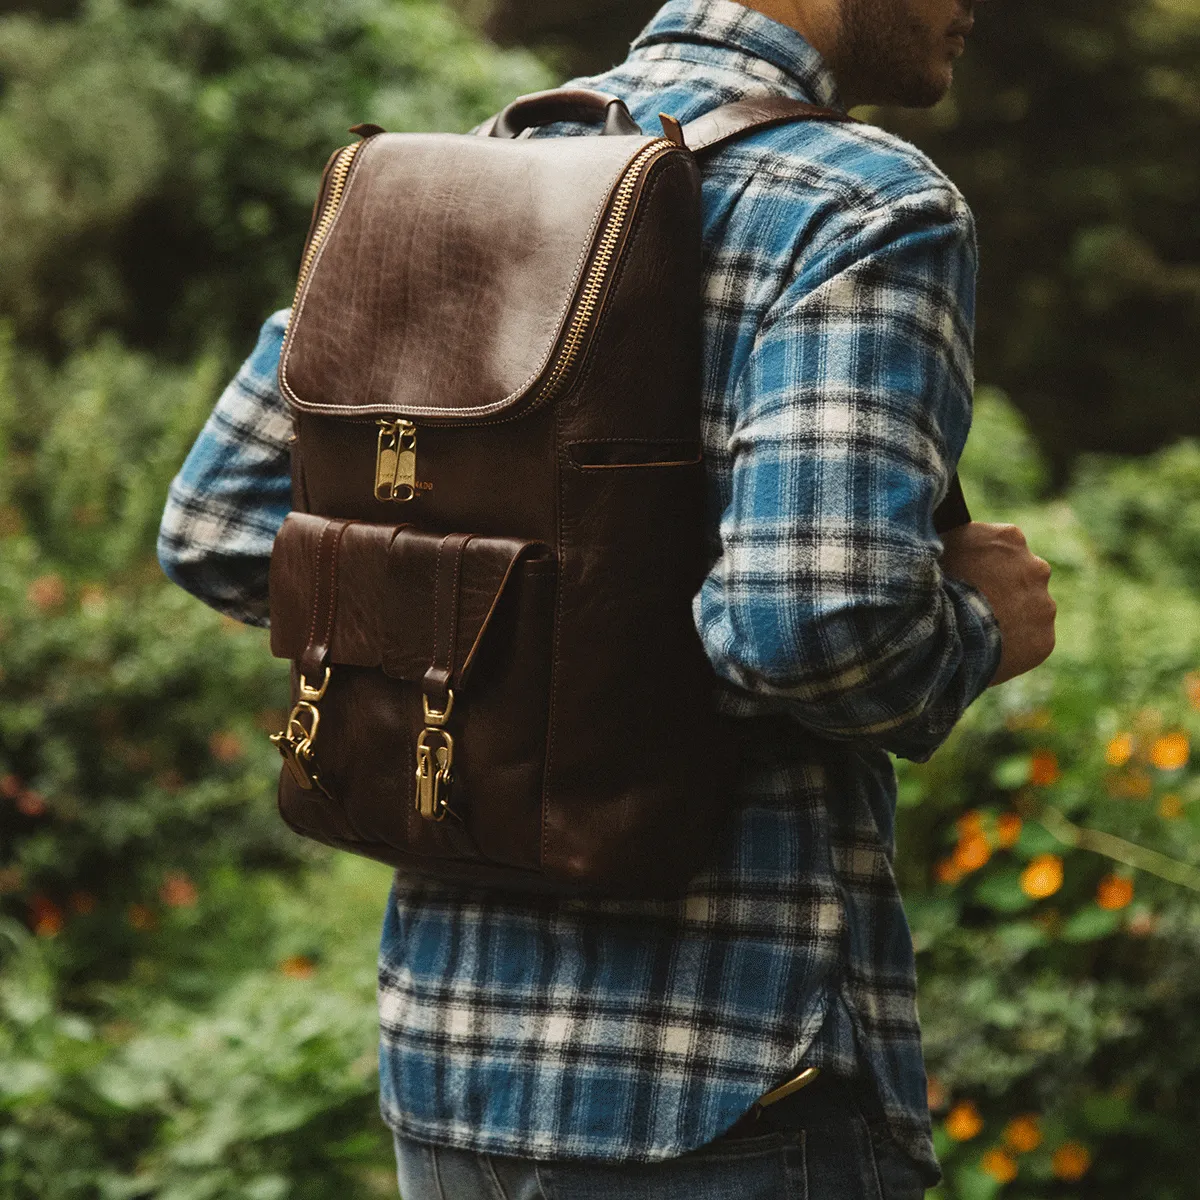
234 490
853 407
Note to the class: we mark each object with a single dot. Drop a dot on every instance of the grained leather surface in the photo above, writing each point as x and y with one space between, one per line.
587 756
384 636
445 282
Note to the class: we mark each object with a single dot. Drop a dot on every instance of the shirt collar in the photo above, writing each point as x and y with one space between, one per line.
723 24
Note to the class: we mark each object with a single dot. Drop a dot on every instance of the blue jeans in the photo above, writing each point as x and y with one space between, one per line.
840 1154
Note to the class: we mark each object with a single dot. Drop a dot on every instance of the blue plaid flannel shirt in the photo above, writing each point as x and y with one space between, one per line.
839 297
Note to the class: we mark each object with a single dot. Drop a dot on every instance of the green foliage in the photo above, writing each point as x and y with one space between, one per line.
186 989
1072 131
1070 1000
161 159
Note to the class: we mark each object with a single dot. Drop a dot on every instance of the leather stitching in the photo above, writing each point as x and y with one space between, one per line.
316 608
331 602
437 575
572 296
454 606
294 320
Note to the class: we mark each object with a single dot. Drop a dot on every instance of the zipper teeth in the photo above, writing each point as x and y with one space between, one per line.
337 185
590 293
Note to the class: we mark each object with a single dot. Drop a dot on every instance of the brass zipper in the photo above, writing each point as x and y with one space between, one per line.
396 460
593 286
337 185
396 450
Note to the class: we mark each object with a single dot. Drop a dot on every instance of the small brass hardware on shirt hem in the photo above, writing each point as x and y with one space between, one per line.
807 1076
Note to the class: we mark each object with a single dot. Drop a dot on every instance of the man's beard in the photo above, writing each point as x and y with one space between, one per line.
884 55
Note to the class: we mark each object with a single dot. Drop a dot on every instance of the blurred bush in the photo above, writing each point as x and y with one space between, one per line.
160 159
186 989
1048 853
186 1005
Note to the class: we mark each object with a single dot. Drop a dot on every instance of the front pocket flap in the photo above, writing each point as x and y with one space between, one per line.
386 584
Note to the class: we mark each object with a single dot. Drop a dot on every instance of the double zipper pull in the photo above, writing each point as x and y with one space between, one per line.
396 461
435 760
296 741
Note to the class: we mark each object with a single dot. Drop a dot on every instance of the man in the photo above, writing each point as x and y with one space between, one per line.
572 1049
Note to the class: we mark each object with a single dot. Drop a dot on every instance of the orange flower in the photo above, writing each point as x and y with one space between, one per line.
298 966
963 1122
83 903
1008 829
1043 877
947 871
1170 807
1114 892
226 747
972 852
999 1164
47 917
1191 686
1043 768
970 823
177 890
938 1099
1129 785
1071 1161
31 803
1023 1133
10 786
46 593
1120 750
1171 751
141 917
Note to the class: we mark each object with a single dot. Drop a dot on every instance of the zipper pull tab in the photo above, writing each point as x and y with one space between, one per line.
396 461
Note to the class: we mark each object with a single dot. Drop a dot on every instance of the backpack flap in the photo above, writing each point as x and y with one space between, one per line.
434 653
451 278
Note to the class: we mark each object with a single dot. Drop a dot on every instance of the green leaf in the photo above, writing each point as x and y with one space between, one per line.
1001 892
1013 772
1090 923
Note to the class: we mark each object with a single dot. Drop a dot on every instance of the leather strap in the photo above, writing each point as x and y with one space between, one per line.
563 104
324 609
447 579
731 121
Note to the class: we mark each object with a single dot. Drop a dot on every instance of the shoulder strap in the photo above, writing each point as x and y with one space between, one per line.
730 121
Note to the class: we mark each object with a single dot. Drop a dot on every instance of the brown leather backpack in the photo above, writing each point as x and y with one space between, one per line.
486 587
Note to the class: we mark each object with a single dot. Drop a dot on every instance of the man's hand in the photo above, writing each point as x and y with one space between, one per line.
997 560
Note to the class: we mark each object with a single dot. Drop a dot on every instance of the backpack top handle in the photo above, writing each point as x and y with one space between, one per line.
564 104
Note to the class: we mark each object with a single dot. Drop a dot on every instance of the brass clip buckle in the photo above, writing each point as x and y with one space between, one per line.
295 742
435 761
